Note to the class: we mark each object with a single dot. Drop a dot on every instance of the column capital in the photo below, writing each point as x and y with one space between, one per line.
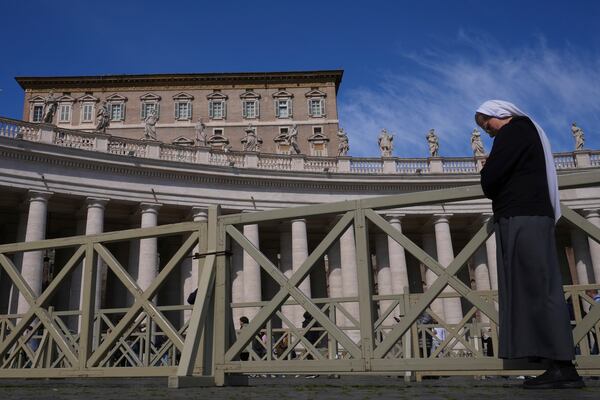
591 212
199 213
298 220
441 218
394 217
39 195
99 202
150 207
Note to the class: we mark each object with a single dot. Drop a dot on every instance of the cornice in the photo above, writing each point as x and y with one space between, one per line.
148 80
81 160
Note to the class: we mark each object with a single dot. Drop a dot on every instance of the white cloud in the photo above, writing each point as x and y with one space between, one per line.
441 89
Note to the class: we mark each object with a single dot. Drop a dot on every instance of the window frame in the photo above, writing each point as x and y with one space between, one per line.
92 106
64 106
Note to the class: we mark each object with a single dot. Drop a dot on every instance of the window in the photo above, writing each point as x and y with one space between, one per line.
250 108
183 110
87 112
217 132
317 130
37 113
283 131
183 106
64 113
117 111
216 109
315 107
148 107
283 108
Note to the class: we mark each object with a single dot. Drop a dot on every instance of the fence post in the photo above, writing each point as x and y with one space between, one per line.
87 309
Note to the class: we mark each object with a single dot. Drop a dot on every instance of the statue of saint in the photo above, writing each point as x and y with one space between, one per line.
386 143
476 143
434 145
50 105
578 135
200 134
150 127
250 142
102 118
343 146
292 139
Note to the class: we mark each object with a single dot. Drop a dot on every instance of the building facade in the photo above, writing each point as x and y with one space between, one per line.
215 110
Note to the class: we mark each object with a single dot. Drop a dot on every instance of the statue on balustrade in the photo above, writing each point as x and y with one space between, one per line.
292 138
50 105
150 127
476 143
434 145
102 118
386 143
578 135
200 134
251 142
343 145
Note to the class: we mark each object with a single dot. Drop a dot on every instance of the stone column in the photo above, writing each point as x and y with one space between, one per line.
334 279
32 264
594 217
445 252
398 268
492 258
299 255
148 254
93 224
237 281
437 306
350 277
18 260
286 266
190 268
384 275
481 273
252 282
583 262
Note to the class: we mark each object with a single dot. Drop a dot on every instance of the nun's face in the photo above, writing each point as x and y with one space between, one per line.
492 125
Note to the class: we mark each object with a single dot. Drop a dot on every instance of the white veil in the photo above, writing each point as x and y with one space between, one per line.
503 109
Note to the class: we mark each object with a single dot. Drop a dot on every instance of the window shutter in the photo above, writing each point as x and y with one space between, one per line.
210 109
224 109
276 108
143 111
257 108
157 109
122 111
310 111
290 113
190 110
244 113
323 107
177 111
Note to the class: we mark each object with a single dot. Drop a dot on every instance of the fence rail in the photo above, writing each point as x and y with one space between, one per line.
341 335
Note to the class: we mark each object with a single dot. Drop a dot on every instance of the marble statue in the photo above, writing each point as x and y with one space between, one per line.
578 135
292 139
200 134
102 118
434 145
343 145
250 142
50 105
386 143
150 125
476 143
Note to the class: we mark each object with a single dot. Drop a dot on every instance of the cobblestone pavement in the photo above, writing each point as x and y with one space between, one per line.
348 387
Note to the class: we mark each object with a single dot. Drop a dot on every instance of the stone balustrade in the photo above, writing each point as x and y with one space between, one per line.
94 141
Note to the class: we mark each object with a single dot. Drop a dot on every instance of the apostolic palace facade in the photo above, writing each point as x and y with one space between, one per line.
106 153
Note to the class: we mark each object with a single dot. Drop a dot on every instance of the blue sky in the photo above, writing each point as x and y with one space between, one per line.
409 66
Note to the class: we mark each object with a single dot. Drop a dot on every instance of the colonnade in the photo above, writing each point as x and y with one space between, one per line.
391 267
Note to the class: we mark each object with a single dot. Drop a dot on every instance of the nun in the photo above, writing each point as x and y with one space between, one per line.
520 179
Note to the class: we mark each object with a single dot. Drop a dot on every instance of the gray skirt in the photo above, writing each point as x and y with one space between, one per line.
534 318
